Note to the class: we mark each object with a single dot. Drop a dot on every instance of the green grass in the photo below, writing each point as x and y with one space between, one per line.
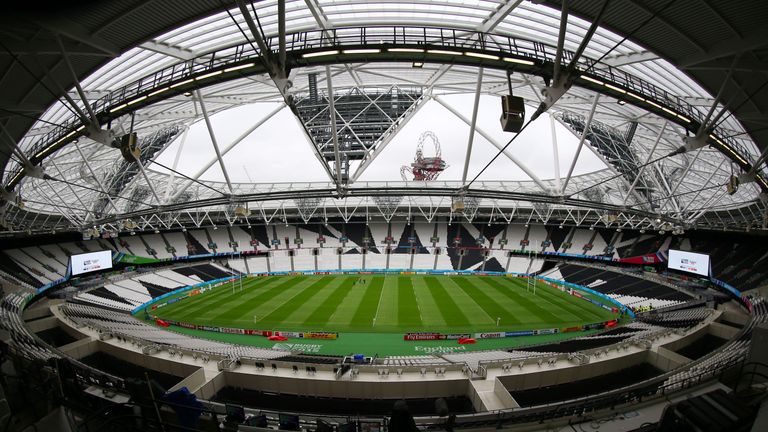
384 304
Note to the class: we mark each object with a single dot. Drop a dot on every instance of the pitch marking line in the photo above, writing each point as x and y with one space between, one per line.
378 305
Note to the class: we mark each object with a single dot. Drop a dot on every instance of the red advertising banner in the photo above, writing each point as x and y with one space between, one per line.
258 332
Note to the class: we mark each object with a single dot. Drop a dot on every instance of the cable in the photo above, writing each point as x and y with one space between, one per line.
190 178
535 115
613 177
47 177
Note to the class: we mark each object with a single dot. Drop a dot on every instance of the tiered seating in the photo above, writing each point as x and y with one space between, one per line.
32 266
636 302
59 259
205 272
135 246
17 272
376 261
424 261
608 282
201 237
20 338
257 264
328 260
159 280
303 259
399 260
537 235
126 326
473 358
131 291
411 360
677 318
242 238
238 265
280 261
352 261
105 298
178 242
220 236
156 242
173 276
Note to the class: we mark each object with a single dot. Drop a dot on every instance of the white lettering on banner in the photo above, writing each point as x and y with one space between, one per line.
492 335
307 348
441 349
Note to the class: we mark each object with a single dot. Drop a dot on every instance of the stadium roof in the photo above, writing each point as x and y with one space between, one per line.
672 109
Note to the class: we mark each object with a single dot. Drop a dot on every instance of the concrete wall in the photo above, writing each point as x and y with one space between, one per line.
547 377
390 388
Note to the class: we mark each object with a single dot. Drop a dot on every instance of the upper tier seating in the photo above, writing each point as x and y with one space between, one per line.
608 282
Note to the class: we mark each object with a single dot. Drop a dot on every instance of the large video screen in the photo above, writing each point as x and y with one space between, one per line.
688 262
91 262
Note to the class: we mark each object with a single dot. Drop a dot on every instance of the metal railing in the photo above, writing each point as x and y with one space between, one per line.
420 37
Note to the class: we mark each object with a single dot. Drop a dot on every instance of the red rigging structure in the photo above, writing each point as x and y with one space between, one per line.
425 168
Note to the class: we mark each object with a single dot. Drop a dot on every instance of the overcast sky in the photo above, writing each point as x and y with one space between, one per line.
279 152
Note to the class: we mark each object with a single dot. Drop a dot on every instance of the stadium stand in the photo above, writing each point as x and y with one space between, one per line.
125 326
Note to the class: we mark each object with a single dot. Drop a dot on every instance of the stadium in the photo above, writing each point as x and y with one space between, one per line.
349 215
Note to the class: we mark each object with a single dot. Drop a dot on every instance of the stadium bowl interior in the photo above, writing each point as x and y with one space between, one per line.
316 215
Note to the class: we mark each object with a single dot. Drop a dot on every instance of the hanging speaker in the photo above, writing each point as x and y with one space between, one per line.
512 113
129 147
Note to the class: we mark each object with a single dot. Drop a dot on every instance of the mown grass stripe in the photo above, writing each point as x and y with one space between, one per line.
511 292
321 315
278 315
216 299
488 304
407 306
585 311
581 309
450 311
431 316
243 304
217 293
555 305
366 310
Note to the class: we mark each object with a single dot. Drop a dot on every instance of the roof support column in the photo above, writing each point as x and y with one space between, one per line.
98 180
332 112
472 126
685 172
581 142
172 174
226 150
78 87
704 186
555 152
213 139
281 35
645 164
71 189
